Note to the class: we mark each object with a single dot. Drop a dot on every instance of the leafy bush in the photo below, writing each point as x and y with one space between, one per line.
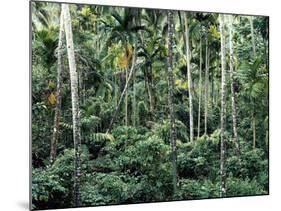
45 185
199 158
55 183
109 188
250 164
243 187
195 189
142 158
162 129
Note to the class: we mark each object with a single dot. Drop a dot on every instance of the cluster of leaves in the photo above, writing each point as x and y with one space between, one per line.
131 164
134 166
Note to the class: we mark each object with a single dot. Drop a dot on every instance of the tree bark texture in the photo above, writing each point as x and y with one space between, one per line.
75 103
55 135
254 56
223 110
126 99
233 94
200 91
189 78
170 81
254 131
206 88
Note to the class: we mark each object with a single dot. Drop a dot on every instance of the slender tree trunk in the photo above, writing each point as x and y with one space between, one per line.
146 84
211 97
189 78
75 103
200 91
206 87
123 92
149 89
115 90
223 110
137 20
173 135
57 117
233 95
126 99
148 76
134 101
254 56
80 87
254 131
266 141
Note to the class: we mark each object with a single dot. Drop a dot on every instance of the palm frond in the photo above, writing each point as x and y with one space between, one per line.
101 137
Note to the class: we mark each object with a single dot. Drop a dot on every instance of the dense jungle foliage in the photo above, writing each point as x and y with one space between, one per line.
141 105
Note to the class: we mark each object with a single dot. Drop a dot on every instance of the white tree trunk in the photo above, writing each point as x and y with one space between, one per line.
206 87
200 91
134 104
223 109
126 98
254 56
55 135
189 78
233 95
75 103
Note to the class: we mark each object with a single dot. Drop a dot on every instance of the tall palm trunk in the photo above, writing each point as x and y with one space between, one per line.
206 88
136 20
54 139
170 80
211 96
134 105
126 98
223 109
254 130
124 91
150 89
75 103
189 78
254 56
200 91
233 95
115 90
148 76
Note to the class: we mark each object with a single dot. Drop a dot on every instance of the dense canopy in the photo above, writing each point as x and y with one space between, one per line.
135 105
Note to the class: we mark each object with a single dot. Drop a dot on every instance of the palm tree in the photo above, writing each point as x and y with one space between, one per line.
189 78
125 23
173 136
233 94
75 102
153 29
254 57
206 87
223 109
40 15
199 87
60 68
124 91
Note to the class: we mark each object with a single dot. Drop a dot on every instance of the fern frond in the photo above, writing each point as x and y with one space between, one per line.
101 137
66 125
